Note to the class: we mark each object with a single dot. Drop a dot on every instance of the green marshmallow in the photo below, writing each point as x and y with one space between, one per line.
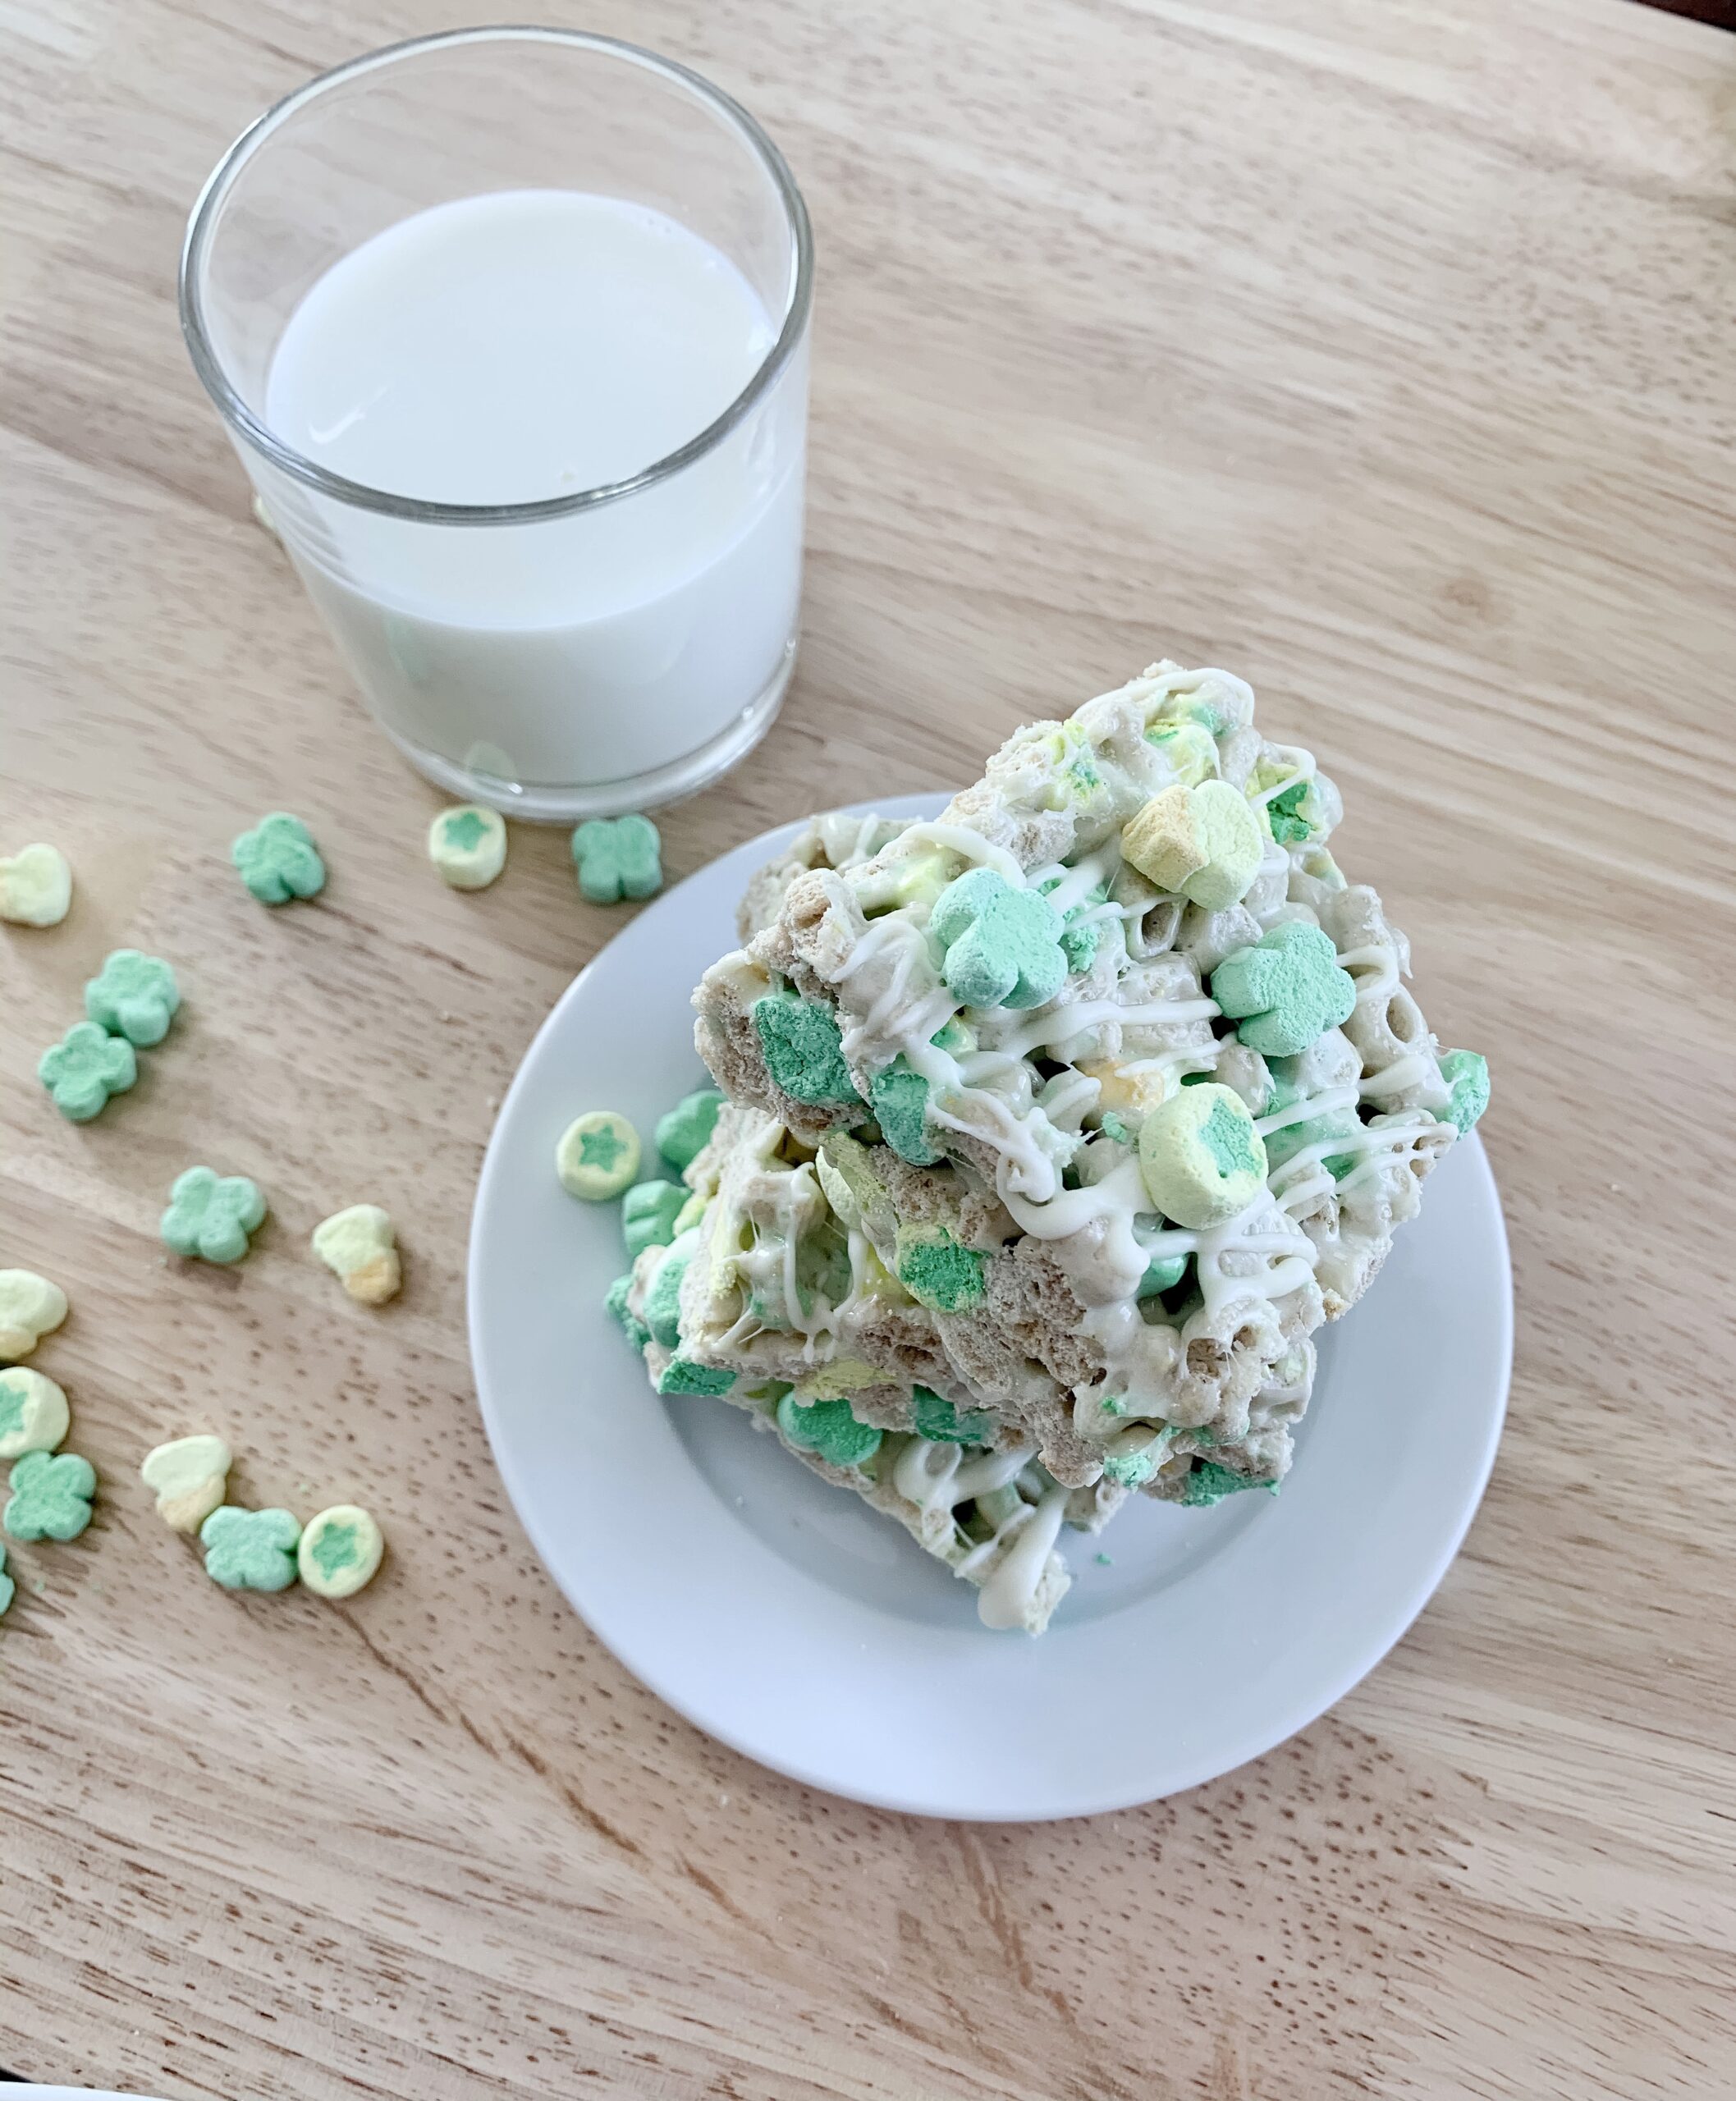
278 860
1079 943
1208 1483
899 1097
134 995
1162 1276
1467 1073
938 1271
680 1375
597 1155
615 1305
618 858
942 1423
1289 820
212 1216
1285 992
663 1300
51 1496
803 1048
649 1212
8 1589
1133 1469
85 1069
685 1133
250 1550
829 1430
1001 946
1201 1157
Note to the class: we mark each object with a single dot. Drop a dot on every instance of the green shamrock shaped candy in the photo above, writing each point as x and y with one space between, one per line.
85 1069
1002 946
681 1375
1467 1073
51 1496
649 1212
278 859
134 995
1285 992
618 858
941 1422
211 1215
803 1048
7 1588
829 1430
685 1133
250 1550
663 1300
615 1305
899 1097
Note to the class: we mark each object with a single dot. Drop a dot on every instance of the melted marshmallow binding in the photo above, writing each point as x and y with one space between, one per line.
964 1191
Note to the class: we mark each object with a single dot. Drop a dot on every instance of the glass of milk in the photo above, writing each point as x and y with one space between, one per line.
509 328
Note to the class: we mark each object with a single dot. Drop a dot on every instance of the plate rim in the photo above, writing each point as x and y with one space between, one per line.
1416 1595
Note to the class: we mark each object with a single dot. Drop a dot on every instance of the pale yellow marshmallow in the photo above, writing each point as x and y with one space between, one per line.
35 886
189 1477
30 1307
359 1246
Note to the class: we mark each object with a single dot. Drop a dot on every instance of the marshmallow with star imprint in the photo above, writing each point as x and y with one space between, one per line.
340 1551
597 1156
468 845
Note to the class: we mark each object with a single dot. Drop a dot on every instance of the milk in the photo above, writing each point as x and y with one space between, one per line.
509 348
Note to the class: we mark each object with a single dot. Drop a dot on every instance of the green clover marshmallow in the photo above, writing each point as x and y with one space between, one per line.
30 1307
829 1430
468 845
51 1497
1201 1157
250 1550
1002 946
1286 992
1467 1073
615 1305
212 1216
135 996
617 857
803 1048
680 1375
278 860
684 1132
85 1069
33 1414
941 1422
597 1155
1208 1483
649 1212
899 1097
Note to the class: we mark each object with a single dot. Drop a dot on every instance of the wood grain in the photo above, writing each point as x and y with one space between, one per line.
1380 353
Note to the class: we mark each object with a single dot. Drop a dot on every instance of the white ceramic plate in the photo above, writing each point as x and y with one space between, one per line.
788 1619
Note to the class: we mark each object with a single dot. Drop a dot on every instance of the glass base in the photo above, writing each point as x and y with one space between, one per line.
539 804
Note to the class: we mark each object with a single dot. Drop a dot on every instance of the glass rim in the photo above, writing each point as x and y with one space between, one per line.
361 495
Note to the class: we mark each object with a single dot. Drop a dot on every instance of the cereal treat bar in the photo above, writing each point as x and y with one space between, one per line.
769 1302
1110 1086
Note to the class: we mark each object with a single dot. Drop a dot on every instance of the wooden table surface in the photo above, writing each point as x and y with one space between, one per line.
1382 354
